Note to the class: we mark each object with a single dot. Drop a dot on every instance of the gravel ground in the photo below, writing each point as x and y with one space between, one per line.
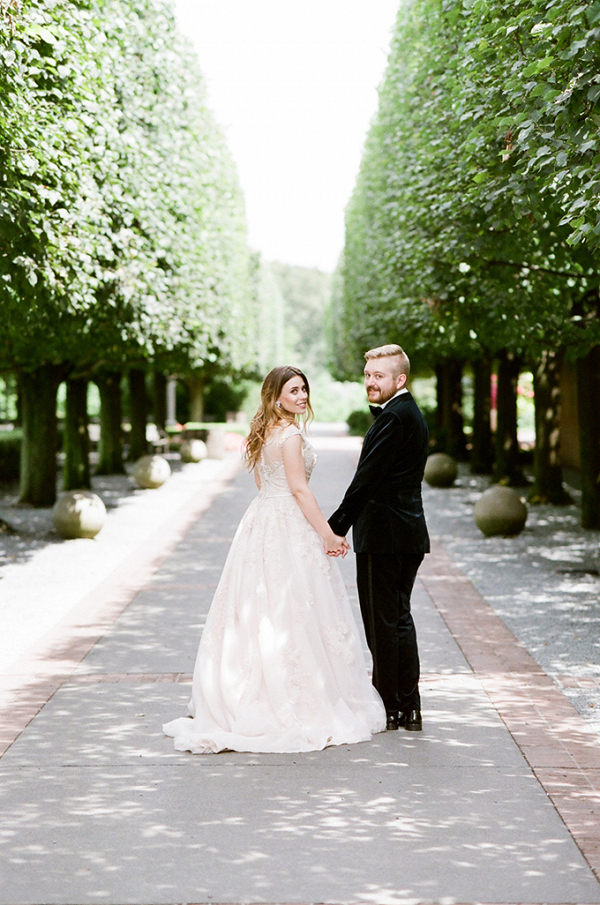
544 583
25 530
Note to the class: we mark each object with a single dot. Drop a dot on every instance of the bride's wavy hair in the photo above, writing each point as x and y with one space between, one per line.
269 412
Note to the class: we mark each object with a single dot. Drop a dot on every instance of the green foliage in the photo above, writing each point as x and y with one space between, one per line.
270 317
544 55
359 423
121 219
306 296
333 400
460 238
293 305
222 396
305 292
8 398
344 352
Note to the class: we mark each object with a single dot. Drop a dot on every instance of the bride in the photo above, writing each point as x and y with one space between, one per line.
280 666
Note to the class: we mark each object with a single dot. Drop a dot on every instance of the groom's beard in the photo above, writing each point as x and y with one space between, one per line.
379 397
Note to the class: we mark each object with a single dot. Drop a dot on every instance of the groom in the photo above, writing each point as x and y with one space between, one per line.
383 504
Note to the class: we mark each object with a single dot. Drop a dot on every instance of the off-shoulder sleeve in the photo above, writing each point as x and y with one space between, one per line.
290 431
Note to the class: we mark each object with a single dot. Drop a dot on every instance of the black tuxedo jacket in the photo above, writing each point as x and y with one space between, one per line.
383 503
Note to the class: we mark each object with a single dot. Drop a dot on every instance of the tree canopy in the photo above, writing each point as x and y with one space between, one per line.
474 222
121 219
122 226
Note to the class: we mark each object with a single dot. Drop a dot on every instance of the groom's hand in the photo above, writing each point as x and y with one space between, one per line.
341 550
335 545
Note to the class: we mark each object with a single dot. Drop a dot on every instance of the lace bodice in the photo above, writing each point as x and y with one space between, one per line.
270 466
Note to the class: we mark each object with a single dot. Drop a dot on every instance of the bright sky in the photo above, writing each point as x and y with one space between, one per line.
294 85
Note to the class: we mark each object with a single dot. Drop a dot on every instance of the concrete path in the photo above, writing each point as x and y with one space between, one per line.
494 802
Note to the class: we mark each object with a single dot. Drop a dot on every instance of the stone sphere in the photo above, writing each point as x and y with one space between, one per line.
150 472
215 443
193 450
78 513
500 510
440 470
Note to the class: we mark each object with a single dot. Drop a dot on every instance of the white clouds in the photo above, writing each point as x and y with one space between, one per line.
293 83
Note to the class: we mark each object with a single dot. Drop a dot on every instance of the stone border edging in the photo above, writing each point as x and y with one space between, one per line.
561 749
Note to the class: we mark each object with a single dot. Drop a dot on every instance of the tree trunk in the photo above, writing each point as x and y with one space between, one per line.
548 478
457 443
439 439
40 438
507 468
19 418
451 437
196 386
172 401
482 448
76 474
138 407
159 400
588 394
110 448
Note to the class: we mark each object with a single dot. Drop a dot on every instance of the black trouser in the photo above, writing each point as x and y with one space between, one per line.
385 583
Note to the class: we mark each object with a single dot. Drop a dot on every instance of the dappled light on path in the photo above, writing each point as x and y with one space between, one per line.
98 807
93 780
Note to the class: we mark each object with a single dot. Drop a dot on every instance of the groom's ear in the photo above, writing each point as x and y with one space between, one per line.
401 381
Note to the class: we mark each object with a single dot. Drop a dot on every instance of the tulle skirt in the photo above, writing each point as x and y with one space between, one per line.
280 666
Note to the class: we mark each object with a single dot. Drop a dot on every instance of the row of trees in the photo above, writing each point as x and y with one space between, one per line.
122 229
473 233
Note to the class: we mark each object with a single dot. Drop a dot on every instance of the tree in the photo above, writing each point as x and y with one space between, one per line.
305 293
44 261
121 220
452 211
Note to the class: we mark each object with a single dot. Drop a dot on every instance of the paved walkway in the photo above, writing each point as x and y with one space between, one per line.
495 802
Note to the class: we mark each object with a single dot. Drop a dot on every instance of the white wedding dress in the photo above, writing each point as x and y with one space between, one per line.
280 666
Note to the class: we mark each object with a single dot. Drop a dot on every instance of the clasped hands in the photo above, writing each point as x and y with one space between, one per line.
338 546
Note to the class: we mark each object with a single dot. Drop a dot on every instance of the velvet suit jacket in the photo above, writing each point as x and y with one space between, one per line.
383 503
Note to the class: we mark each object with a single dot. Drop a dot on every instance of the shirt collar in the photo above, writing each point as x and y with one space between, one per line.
399 393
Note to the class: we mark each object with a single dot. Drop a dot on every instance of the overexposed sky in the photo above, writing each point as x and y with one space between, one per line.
294 85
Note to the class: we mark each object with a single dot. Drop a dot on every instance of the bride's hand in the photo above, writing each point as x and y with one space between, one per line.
336 546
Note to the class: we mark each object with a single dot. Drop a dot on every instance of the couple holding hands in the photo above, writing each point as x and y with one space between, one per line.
280 666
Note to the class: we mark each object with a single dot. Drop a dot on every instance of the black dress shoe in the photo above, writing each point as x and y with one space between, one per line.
411 720
392 721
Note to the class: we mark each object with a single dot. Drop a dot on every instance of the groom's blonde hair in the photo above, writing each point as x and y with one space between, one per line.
401 362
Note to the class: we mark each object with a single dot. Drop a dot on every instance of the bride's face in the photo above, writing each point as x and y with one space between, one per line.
294 396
